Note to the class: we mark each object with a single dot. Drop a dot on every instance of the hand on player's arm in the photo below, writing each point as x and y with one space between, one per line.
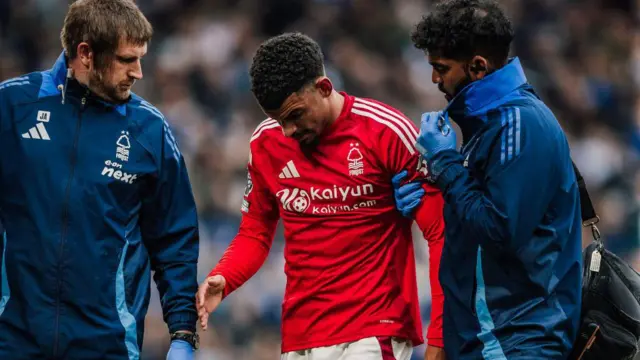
407 196
209 297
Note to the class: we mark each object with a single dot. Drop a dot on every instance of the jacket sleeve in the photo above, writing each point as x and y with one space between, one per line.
248 251
3 122
169 226
402 155
503 208
3 107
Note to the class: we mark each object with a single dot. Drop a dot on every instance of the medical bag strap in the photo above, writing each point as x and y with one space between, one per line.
589 216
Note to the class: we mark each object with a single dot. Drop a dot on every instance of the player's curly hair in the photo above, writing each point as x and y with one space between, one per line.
283 65
461 29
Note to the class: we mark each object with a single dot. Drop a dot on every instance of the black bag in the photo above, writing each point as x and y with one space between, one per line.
610 319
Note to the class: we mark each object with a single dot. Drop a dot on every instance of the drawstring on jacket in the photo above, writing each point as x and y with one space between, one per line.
63 88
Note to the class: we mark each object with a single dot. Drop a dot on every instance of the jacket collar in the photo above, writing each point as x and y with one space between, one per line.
59 77
475 97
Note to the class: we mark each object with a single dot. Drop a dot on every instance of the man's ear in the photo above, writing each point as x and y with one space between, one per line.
85 54
324 86
479 67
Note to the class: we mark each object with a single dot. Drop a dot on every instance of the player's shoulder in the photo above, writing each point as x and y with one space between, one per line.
369 104
379 115
385 120
267 131
22 89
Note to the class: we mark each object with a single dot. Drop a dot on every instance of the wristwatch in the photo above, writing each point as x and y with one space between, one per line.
191 338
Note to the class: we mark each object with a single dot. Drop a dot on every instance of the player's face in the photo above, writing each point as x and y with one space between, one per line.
452 75
115 80
304 115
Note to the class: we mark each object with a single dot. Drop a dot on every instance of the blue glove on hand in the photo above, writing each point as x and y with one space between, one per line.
408 196
436 136
180 350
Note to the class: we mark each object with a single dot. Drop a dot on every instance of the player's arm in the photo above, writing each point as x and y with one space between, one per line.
519 182
412 201
250 248
404 159
169 226
429 218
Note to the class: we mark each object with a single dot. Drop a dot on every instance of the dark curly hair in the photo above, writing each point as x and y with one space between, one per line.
461 29
283 65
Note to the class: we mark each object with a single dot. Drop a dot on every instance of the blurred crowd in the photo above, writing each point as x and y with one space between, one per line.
582 56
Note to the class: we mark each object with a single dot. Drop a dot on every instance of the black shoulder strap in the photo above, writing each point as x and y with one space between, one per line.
589 216
588 212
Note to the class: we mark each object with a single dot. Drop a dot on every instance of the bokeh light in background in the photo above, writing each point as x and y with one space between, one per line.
583 57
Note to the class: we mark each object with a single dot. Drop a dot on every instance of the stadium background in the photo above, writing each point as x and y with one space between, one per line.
583 57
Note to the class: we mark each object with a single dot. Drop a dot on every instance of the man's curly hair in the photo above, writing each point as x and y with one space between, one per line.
461 29
283 65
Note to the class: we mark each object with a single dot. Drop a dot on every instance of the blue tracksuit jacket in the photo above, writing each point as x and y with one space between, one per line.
511 263
93 197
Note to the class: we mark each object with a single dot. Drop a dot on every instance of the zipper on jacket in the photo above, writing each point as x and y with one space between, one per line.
65 219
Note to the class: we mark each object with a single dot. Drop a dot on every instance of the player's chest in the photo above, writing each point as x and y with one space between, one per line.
341 176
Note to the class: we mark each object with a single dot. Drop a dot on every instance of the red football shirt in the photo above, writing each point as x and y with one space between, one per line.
350 264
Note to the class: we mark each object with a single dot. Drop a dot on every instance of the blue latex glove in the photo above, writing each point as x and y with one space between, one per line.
180 350
436 136
408 196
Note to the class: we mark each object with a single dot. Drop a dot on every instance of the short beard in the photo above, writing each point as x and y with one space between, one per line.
462 84
98 85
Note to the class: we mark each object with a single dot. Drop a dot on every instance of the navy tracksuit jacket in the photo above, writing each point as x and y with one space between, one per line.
511 264
93 197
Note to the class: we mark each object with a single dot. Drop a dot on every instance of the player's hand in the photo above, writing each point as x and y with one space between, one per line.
180 350
436 135
434 353
407 196
209 297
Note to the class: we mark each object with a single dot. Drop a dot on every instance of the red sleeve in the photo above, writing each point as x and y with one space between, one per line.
431 222
398 141
250 248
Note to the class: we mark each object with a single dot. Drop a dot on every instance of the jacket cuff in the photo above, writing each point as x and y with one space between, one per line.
445 167
185 320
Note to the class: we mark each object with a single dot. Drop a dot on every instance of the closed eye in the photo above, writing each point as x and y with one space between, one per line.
127 59
295 115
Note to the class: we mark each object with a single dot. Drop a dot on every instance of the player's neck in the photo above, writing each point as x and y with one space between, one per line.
337 103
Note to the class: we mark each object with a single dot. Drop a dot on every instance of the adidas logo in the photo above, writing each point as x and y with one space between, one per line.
39 131
289 171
